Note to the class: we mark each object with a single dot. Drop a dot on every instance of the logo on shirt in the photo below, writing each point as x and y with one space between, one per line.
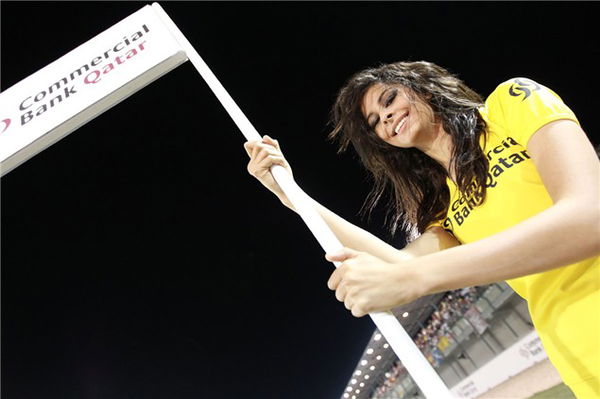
503 157
523 87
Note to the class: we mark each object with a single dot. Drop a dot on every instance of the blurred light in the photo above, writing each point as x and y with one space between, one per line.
378 357
346 395
366 376
363 362
362 384
358 372
353 381
348 389
369 351
405 314
372 368
353 396
386 345
357 391
377 337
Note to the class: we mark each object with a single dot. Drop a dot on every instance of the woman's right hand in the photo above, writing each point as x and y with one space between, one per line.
264 154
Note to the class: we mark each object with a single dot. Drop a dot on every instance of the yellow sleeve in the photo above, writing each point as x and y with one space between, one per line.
522 106
435 223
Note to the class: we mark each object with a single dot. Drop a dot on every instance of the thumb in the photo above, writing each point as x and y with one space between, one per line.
341 255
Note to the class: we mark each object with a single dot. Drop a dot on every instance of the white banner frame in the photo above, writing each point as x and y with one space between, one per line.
411 357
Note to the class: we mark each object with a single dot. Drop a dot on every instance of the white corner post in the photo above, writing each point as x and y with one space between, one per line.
59 98
409 354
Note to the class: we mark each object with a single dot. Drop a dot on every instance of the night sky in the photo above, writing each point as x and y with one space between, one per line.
139 258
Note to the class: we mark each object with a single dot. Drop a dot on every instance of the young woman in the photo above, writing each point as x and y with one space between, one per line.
506 189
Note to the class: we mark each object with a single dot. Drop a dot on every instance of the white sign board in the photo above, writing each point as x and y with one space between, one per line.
59 98
520 356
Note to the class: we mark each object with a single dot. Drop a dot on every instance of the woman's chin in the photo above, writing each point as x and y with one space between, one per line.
401 141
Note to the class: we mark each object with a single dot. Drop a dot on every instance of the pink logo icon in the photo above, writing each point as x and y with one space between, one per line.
4 124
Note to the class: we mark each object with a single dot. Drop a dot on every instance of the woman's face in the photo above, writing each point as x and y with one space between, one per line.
397 119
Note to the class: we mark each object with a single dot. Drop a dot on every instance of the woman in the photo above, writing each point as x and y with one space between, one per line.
502 190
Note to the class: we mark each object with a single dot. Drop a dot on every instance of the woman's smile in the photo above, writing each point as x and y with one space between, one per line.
399 126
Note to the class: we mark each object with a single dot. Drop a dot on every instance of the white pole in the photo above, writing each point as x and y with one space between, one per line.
411 357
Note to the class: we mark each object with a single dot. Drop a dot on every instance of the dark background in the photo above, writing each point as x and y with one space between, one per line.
140 260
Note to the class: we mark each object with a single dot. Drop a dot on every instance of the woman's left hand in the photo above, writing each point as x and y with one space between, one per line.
366 284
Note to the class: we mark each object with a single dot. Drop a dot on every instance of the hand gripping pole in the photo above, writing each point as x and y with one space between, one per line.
411 357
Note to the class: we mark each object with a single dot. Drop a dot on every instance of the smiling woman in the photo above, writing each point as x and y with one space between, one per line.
487 191
441 138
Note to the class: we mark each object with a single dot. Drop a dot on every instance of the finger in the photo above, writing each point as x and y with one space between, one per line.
259 149
255 149
261 164
357 311
259 145
248 145
264 166
266 153
268 139
341 255
335 278
340 292
256 156
348 303
272 141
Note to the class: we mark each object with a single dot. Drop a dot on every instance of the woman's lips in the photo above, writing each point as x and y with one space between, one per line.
400 125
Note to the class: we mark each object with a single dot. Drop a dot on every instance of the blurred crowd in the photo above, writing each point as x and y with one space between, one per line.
392 378
453 306
435 336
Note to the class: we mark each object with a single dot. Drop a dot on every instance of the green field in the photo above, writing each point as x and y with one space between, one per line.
560 391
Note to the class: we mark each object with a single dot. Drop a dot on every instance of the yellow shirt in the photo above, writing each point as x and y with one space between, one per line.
564 303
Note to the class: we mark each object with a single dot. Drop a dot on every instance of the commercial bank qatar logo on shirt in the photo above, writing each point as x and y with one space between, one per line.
93 72
503 157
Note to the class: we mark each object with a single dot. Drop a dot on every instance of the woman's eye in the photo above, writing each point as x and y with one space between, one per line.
391 98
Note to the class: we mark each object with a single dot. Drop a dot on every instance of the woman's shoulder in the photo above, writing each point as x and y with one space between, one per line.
521 87
499 103
522 105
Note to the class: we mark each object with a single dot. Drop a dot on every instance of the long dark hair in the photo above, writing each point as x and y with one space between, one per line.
418 183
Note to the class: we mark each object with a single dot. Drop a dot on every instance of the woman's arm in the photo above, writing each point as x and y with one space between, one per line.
567 232
433 240
263 154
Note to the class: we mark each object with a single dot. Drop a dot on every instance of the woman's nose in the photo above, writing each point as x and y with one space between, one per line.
387 118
